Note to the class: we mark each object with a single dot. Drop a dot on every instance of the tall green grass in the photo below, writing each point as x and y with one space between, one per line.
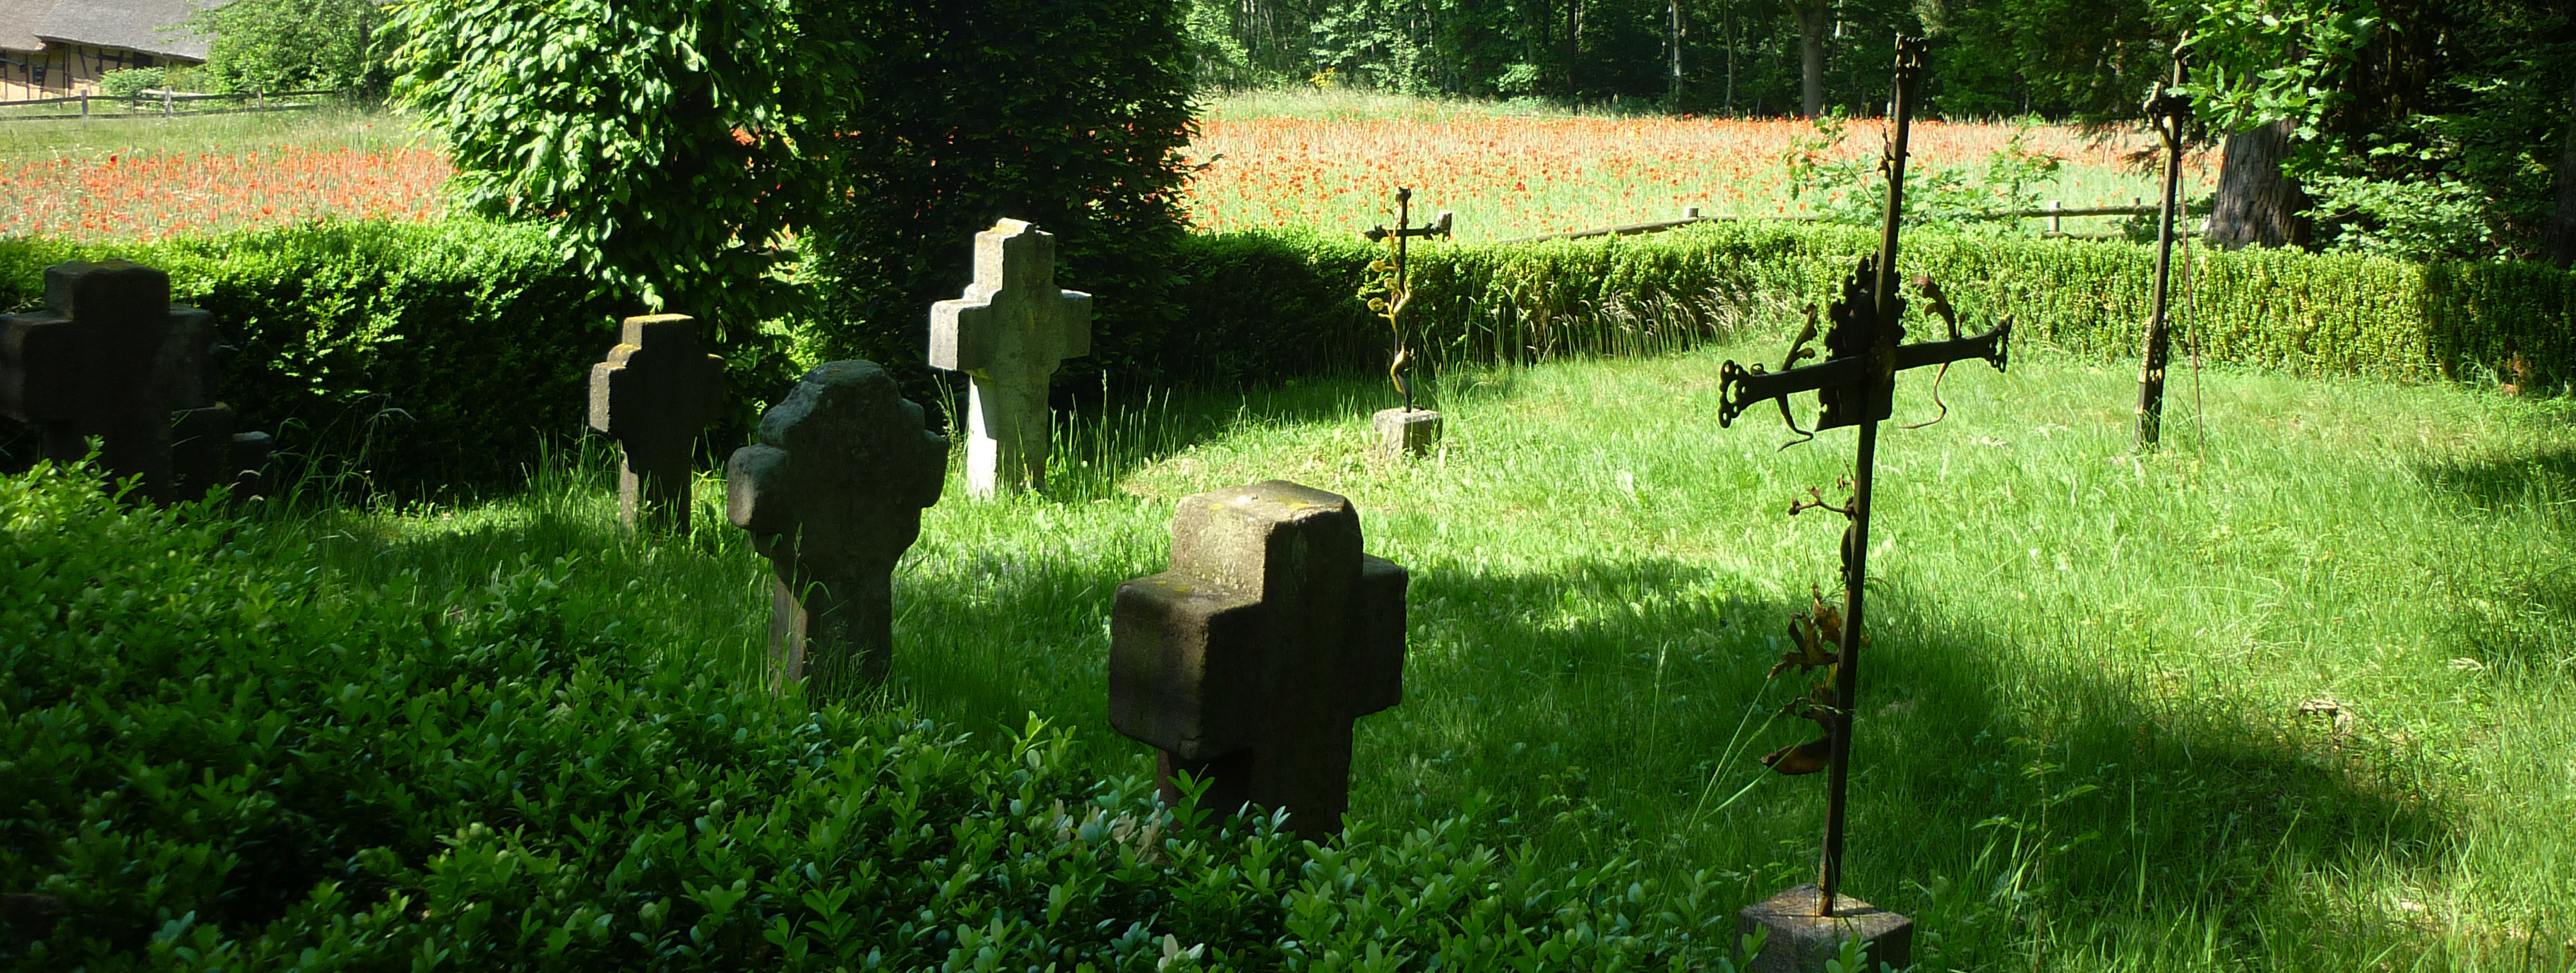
2293 694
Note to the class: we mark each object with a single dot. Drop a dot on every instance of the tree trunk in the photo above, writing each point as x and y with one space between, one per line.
1676 103
2258 203
1811 55
2562 224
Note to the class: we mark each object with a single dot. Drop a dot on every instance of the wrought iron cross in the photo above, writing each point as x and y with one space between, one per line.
1399 293
1856 383
2171 110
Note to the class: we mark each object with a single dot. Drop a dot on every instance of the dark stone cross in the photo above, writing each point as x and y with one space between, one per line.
833 495
109 356
656 390
1247 662
1856 386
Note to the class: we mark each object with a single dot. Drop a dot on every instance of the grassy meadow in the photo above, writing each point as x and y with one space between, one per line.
151 178
1328 159
2292 694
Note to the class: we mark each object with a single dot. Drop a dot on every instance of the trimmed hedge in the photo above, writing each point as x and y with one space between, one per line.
434 356
414 355
2310 314
219 760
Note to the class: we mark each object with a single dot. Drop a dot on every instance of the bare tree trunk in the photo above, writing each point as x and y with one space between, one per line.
1677 55
1730 62
2562 224
2258 203
1573 47
1811 55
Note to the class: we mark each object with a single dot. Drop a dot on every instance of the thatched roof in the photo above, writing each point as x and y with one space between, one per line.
18 23
150 26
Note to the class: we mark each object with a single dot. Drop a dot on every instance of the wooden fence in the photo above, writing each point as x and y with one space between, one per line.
162 104
2055 212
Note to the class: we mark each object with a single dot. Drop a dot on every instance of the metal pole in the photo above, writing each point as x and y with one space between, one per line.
2151 369
1881 381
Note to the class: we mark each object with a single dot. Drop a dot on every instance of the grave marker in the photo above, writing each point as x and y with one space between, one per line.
655 391
1007 334
1405 430
205 452
832 495
1856 386
1246 663
109 356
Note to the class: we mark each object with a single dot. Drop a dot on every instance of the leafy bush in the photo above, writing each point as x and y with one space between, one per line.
222 760
129 82
288 45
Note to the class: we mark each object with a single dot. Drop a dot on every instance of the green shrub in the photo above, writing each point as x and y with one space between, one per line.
413 356
2313 314
128 82
424 357
220 759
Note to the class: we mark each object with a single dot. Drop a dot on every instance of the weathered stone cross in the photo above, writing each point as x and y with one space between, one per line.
109 356
1007 334
655 391
1247 662
832 496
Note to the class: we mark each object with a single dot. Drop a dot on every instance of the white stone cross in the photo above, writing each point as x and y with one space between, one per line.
1007 334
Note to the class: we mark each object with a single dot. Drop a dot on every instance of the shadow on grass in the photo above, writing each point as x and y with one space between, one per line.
1606 704
2522 619
1098 449
2545 483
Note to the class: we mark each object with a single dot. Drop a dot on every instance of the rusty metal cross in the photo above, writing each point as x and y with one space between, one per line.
1856 384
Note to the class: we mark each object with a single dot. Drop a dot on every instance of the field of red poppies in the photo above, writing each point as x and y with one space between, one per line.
1267 163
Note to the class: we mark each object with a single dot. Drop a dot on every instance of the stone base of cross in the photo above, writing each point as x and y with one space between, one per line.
1403 432
1007 334
111 357
1797 940
1246 663
206 453
833 495
657 389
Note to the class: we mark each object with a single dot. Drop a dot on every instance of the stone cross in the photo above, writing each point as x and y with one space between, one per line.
832 495
1007 334
109 356
655 391
1247 662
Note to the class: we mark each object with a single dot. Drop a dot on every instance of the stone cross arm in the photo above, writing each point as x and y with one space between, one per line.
659 380
1186 660
1013 315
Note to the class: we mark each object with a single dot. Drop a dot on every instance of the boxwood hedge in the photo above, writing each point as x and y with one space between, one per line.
442 355
220 758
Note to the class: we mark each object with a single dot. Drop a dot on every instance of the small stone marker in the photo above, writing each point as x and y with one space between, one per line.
206 453
1800 941
655 391
109 356
1007 334
832 496
1403 432
1247 662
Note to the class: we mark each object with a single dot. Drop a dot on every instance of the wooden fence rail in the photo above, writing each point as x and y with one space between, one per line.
168 101
2053 213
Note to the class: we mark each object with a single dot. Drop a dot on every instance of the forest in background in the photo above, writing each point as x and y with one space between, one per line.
2423 128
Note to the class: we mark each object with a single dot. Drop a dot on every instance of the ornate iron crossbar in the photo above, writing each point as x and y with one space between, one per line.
1855 383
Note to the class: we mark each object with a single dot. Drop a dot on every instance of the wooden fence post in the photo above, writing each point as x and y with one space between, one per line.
2053 225
84 104
165 102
